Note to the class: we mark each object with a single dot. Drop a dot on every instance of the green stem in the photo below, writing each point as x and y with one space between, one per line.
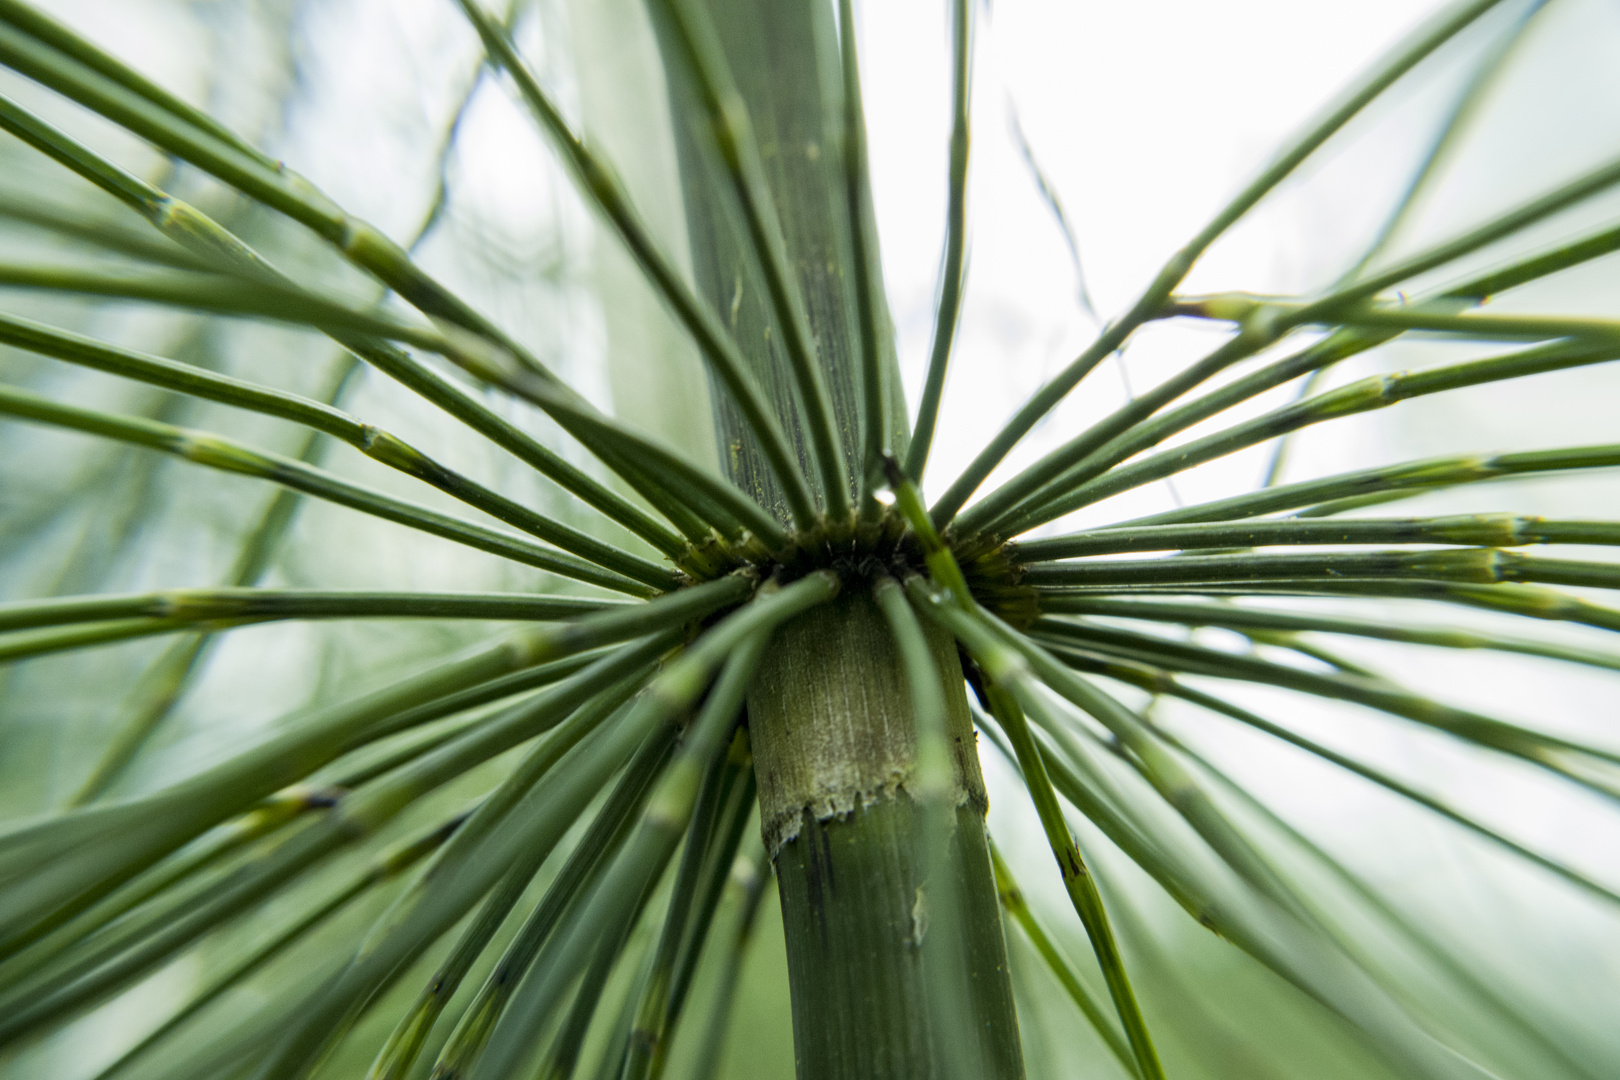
949 989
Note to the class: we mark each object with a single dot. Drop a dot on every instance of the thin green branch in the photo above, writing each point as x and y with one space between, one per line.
1077 879
941 563
369 439
104 86
143 831
266 295
1296 950
464 406
385 753
1528 601
746 884
107 235
1365 395
1522 217
360 759
610 1064
539 817
112 962
1293 622
1344 342
1481 730
1397 63
1016 662
865 269
738 643
1560 757
561 1058
1426 475
1535 267
1480 327
649 1030
209 605
29 644
406 1041
933 785
953 260
643 463
737 810
1159 681
1051 467
385 868
1473 530
1264 321
486 358
1012 899
30 19
595 850
604 189
229 456
1483 79
1481 993
1479 566
733 132
163 683
289 808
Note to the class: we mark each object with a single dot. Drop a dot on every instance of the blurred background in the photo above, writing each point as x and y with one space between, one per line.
1104 136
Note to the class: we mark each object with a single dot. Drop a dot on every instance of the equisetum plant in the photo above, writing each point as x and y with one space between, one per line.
783 663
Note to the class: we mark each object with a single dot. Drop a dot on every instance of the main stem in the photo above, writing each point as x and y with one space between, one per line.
835 752
830 713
